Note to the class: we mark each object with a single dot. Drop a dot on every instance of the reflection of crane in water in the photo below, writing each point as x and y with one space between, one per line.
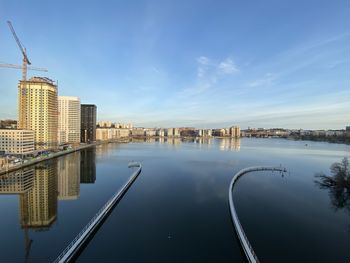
37 193
19 183
27 241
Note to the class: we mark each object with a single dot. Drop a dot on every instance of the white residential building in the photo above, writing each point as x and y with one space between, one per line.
17 141
68 119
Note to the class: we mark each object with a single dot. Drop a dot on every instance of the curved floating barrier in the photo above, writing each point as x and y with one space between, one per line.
247 248
77 243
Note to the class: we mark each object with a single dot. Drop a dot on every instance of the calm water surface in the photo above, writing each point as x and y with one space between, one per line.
177 209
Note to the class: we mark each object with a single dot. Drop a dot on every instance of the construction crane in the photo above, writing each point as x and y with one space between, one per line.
26 61
6 65
24 115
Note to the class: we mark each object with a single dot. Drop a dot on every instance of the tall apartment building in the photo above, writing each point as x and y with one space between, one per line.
88 122
16 142
68 120
235 131
37 110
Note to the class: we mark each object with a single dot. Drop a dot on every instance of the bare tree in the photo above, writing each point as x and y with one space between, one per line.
338 184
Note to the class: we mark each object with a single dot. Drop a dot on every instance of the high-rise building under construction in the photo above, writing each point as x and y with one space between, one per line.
37 110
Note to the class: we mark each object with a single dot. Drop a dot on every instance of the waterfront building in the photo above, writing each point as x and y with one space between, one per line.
160 132
8 124
68 120
187 132
235 131
16 142
169 132
122 132
103 134
150 132
204 133
176 132
88 116
138 132
37 110
172 132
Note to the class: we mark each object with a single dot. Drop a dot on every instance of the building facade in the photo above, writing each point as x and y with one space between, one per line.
37 110
68 120
103 134
88 116
17 142
235 131
138 132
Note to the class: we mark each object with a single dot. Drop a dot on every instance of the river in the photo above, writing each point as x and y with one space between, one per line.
177 210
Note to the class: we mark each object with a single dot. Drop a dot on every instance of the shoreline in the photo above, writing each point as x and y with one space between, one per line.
127 140
54 155
41 159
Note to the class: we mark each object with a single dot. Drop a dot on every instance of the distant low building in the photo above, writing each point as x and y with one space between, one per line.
138 132
172 132
235 132
204 132
103 134
17 142
150 132
160 132
347 131
187 132
8 124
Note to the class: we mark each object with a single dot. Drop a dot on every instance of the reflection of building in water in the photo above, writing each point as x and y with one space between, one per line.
174 141
233 144
204 140
38 206
138 139
17 182
68 170
88 166
150 140
160 139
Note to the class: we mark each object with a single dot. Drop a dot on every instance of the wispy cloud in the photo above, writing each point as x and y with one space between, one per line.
267 80
227 67
209 73
202 60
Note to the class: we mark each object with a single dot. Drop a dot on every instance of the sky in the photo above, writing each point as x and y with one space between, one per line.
205 64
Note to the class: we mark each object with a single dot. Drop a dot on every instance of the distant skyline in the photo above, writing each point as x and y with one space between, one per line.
206 64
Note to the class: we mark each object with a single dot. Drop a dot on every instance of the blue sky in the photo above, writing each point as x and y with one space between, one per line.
270 63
